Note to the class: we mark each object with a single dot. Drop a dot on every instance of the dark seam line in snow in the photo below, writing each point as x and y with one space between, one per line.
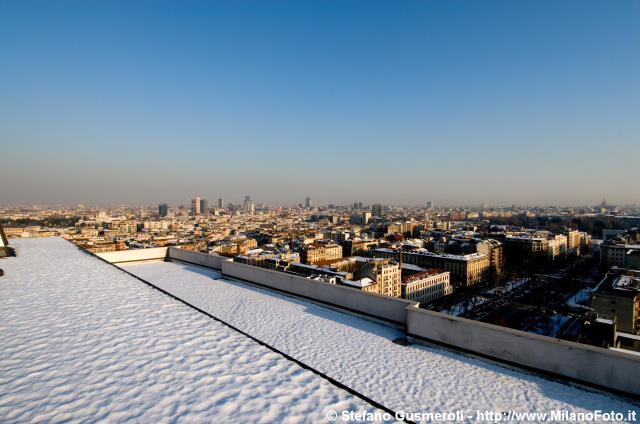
261 343
465 352
503 363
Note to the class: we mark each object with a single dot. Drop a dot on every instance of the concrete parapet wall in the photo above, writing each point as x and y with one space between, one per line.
602 367
196 258
383 307
134 255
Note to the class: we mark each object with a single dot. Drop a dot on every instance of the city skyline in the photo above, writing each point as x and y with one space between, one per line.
460 103
237 202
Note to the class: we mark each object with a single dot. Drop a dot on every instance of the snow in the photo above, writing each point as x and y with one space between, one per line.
365 282
82 341
412 267
459 309
425 252
361 354
627 282
549 325
508 287
579 299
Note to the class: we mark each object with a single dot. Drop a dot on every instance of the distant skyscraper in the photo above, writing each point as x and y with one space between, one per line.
204 207
366 216
163 209
484 206
195 206
360 205
307 202
430 204
355 205
247 206
221 203
376 209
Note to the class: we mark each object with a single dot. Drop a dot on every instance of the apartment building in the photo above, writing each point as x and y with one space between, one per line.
316 252
618 297
426 286
557 247
523 247
574 242
535 248
124 226
465 270
620 254
493 249
386 273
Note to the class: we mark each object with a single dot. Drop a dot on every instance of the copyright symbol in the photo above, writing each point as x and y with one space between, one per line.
332 415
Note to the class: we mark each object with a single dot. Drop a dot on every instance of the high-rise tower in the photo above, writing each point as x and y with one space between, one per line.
163 210
195 206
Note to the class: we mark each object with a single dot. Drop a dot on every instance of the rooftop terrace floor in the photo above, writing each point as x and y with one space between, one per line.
82 341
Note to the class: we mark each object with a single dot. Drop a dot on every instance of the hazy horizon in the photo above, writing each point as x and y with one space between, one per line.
528 102
238 201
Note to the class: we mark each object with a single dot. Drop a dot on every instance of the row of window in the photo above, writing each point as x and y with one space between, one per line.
428 283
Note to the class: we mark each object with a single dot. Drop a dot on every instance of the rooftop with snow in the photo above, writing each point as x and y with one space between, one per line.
83 340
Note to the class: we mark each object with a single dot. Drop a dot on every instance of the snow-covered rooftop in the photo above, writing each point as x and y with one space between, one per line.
361 354
425 252
82 341
627 282
412 267
364 282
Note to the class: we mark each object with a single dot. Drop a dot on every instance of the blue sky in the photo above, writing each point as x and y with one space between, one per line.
391 102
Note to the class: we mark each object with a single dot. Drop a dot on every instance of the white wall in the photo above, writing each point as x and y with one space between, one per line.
197 258
133 255
614 370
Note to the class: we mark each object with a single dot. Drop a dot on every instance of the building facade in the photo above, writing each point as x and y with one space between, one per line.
618 297
163 210
617 254
204 207
427 286
317 252
195 206
386 273
493 249
466 270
